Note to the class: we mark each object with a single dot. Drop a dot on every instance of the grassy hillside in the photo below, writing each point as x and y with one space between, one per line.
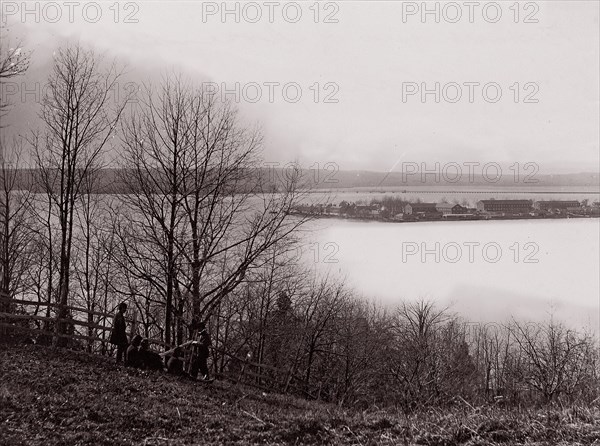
61 397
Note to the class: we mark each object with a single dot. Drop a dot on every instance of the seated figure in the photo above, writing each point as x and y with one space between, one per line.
149 359
132 355
175 363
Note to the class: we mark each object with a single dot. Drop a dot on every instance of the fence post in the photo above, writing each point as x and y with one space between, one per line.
5 308
288 380
242 371
133 325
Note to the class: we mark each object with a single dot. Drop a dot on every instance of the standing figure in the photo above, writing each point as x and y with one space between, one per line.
201 343
118 335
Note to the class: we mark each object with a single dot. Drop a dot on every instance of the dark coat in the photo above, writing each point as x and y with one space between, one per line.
133 358
151 360
118 335
175 366
204 344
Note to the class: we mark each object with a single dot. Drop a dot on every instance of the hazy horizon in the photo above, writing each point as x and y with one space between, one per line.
355 70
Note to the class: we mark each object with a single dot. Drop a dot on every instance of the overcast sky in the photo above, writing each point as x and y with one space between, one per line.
366 65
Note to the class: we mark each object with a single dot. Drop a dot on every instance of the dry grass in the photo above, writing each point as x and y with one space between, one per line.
59 397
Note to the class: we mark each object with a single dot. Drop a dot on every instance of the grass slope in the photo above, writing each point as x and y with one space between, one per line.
60 397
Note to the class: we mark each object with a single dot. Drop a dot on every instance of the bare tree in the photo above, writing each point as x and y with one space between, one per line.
417 328
154 145
14 62
255 303
556 359
78 123
93 253
199 217
319 307
14 201
493 357
16 235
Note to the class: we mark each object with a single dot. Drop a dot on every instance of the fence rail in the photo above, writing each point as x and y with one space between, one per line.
96 332
283 380
75 337
53 305
238 370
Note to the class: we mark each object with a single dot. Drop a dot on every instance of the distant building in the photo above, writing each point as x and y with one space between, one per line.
309 209
449 208
362 210
563 205
420 208
505 206
332 209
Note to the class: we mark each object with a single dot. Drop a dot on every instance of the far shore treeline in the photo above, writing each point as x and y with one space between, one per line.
110 180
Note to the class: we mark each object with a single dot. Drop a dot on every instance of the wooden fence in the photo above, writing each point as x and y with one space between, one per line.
9 320
263 376
235 369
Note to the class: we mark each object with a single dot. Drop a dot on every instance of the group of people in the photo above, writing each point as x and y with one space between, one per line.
140 356
138 353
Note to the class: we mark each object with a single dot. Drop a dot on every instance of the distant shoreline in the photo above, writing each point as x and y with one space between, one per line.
425 219
424 191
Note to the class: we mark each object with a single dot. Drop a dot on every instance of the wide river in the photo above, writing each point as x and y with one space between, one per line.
486 270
